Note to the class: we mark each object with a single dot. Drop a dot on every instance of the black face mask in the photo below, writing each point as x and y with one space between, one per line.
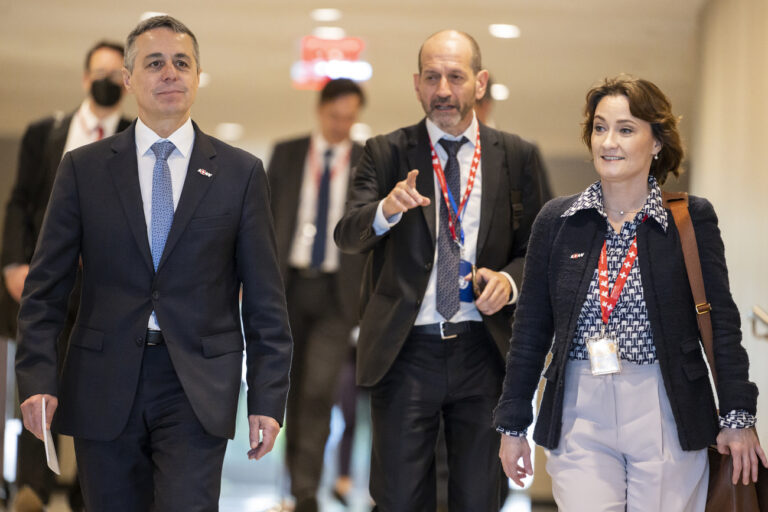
105 92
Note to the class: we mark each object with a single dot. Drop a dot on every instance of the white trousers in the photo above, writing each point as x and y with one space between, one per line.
619 448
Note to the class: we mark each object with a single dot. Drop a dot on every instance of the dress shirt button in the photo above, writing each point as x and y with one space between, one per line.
155 295
140 341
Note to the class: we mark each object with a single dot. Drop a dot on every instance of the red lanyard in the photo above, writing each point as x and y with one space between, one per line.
454 215
608 301
317 169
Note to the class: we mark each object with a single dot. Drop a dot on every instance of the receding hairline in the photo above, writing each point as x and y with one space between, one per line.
475 58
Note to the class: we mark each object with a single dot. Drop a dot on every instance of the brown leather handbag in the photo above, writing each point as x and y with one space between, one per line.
722 495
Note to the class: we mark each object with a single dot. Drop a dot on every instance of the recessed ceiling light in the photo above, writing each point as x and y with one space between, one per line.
329 32
504 31
360 132
229 132
151 14
325 15
499 92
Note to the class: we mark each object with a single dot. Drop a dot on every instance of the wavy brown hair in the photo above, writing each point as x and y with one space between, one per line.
646 102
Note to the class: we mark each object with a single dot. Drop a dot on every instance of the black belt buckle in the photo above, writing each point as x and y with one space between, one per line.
443 334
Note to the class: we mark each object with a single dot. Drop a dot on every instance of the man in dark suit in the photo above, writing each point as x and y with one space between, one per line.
427 348
308 179
169 224
44 143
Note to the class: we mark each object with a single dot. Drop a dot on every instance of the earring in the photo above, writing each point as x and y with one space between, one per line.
656 156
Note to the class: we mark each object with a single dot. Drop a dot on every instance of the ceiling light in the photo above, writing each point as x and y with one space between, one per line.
325 15
360 132
205 79
329 32
499 92
504 31
151 14
229 132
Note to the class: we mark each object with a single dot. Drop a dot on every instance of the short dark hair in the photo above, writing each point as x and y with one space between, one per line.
339 87
646 102
163 21
110 45
476 63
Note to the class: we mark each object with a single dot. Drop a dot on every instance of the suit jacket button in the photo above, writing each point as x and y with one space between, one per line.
428 266
155 295
139 341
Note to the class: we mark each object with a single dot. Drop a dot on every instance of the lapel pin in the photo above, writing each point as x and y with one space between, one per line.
204 173
577 255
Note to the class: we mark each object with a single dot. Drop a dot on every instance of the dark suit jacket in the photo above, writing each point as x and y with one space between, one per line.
285 173
221 236
42 147
401 259
555 287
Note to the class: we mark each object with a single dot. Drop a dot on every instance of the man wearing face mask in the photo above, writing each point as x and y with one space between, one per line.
43 145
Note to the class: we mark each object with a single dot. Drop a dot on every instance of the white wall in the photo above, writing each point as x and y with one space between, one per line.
729 157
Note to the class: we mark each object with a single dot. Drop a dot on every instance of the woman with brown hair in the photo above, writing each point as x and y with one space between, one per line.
628 410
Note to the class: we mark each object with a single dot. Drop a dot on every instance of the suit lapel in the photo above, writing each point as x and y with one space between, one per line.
419 157
123 167
195 186
492 170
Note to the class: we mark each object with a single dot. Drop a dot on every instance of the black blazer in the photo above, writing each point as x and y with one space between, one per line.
42 148
221 237
555 287
285 173
401 260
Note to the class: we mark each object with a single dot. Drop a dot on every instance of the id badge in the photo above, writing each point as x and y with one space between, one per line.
466 293
604 354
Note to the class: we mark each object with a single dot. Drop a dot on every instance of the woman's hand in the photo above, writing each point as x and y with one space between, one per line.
744 447
512 448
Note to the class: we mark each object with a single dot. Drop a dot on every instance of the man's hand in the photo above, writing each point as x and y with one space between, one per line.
403 197
269 428
511 450
14 280
32 413
744 447
496 292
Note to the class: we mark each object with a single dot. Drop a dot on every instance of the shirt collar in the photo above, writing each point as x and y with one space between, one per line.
592 199
90 121
435 133
320 145
183 138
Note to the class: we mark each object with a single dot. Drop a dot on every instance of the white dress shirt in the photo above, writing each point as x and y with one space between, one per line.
183 138
84 127
467 311
304 235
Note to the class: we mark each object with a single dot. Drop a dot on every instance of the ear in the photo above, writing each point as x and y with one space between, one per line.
657 145
481 82
416 77
126 79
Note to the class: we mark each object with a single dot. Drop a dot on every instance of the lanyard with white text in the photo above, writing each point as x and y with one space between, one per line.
455 215
608 301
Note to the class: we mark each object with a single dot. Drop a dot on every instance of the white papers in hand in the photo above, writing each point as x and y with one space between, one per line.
50 448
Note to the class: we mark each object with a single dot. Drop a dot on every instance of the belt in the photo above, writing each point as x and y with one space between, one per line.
310 273
447 330
154 338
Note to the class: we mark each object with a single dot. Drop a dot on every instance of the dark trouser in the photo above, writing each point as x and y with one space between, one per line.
320 344
163 460
346 397
459 379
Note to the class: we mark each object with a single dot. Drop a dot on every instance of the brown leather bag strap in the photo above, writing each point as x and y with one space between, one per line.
677 203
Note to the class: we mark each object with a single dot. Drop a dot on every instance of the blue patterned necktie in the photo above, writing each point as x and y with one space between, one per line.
447 250
162 198
321 220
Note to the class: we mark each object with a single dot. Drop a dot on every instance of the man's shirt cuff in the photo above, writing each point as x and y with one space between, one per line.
380 223
513 295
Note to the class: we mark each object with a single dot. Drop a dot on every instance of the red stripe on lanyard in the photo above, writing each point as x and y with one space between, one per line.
608 300
455 217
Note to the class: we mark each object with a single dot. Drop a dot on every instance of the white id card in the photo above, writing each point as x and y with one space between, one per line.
50 448
604 354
